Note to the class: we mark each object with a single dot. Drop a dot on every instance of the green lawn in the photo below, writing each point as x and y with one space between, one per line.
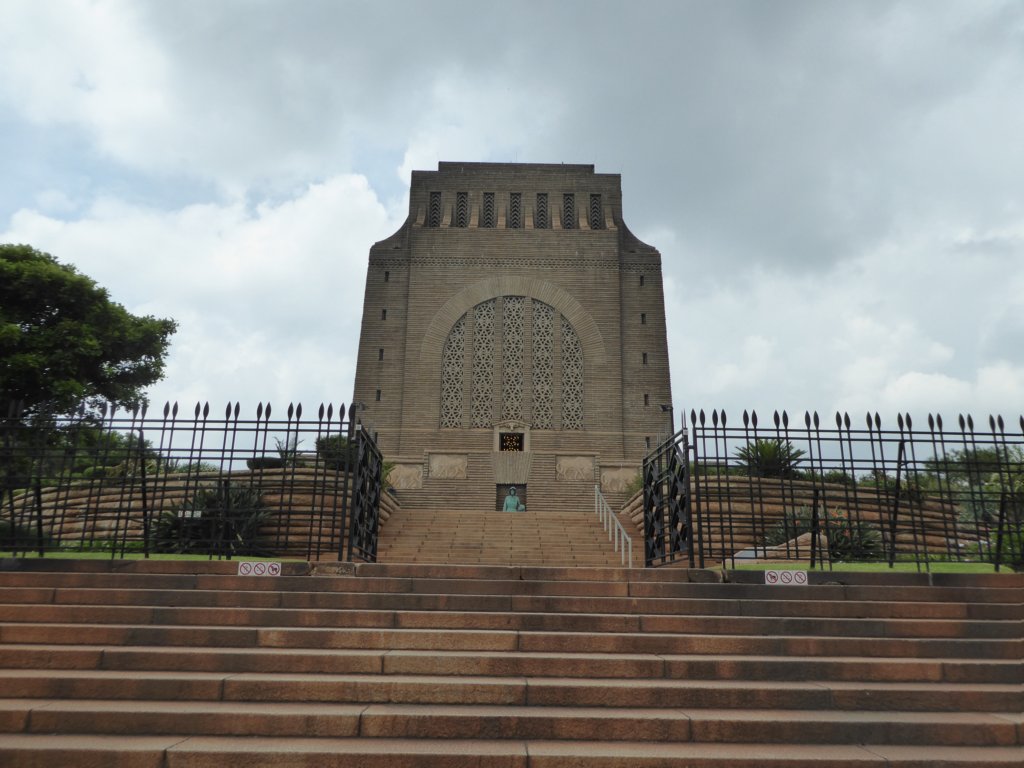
901 567
140 556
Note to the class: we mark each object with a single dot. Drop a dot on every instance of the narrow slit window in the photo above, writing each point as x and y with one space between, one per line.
380 353
647 399
515 210
641 281
434 210
487 215
568 211
596 212
540 218
387 276
383 314
377 398
462 209
644 358
643 318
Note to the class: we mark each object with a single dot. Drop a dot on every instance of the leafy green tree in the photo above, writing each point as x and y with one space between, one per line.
63 341
970 467
769 457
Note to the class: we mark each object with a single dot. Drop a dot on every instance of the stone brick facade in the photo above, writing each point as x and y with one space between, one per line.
513 301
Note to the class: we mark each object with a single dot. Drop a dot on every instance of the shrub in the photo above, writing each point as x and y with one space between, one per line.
21 536
337 451
848 539
634 486
221 520
1011 552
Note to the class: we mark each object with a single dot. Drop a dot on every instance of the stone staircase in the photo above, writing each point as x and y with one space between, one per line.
454 522
564 537
185 664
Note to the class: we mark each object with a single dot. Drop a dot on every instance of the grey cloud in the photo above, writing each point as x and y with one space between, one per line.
792 134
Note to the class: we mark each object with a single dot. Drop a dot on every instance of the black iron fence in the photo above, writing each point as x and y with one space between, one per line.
108 480
824 494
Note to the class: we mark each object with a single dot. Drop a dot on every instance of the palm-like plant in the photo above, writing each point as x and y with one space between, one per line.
769 457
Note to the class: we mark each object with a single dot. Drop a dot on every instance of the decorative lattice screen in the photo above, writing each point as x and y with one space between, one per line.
543 363
451 375
572 378
512 358
483 364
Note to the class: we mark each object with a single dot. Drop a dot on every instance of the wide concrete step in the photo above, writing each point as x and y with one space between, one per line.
497 640
524 581
39 751
640 667
175 611
397 721
1005 615
504 691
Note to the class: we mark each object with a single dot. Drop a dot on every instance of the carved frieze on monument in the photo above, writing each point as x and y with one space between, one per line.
575 468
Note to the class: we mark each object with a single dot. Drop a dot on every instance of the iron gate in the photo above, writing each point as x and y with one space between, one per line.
667 510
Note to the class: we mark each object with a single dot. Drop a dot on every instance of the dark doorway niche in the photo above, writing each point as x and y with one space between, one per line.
503 489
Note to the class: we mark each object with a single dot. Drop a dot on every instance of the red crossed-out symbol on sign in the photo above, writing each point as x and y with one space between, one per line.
260 569
800 577
245 569
787 577
273 569
771 577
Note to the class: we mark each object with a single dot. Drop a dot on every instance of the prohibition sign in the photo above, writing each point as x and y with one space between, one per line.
273 569
771 577
787 577
799 577
260 569
245 569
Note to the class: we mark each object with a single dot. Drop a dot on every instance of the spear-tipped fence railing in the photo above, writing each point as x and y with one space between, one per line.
820 494
105 479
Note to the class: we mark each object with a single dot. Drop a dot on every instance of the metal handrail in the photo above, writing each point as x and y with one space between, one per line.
621 541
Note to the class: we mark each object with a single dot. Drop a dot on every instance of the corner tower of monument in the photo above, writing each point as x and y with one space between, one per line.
513 333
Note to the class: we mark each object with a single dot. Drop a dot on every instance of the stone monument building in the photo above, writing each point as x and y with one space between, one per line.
513 335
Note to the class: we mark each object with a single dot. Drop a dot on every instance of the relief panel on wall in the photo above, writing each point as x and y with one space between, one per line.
448 466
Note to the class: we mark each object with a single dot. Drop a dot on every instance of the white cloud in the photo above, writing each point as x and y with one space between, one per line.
55 201
898 329
268 301
88 63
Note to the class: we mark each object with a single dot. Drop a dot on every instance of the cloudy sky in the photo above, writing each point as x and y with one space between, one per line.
836 188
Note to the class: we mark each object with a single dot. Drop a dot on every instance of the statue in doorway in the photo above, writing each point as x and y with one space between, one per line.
512 502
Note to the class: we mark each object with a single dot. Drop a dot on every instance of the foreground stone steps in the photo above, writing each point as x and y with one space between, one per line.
461 618
226 752
490 663
521 691
508 641
310 720
926 589
186 664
